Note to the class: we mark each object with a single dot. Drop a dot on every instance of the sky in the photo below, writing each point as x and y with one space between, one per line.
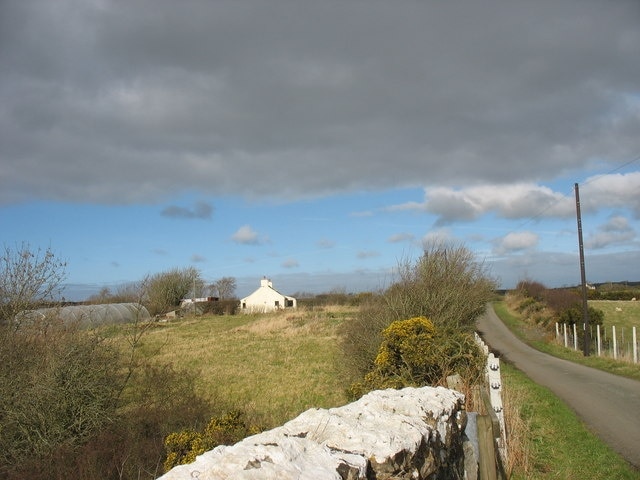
320 143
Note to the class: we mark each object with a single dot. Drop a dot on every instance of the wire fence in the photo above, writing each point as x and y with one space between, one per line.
617 343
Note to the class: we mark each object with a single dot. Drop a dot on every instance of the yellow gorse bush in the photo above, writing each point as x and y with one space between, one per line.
405 342
183 447
414 352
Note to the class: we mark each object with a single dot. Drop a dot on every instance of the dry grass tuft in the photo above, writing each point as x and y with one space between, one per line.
518 434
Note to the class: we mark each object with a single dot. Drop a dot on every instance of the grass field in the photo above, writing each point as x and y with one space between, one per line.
274 366
623 314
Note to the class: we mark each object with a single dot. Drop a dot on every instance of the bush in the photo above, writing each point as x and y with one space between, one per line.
184 446
531 289
561 299
574 314
222 307
75 406
360 338
445 284
59 385
165 290
624 295
415 353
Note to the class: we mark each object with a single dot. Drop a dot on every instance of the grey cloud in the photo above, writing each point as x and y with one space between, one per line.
364 254
195 258
615 232
325 243
201 210
401 237
616 224
120 102
290 263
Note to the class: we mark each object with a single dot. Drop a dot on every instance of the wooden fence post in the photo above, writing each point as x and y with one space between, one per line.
486 446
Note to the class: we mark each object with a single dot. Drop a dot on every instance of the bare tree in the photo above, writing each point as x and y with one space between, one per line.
225 287
28 277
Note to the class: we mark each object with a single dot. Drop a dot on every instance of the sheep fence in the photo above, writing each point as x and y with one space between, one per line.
617 343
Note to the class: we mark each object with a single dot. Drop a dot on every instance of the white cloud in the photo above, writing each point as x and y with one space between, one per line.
615 190
438 236
515 242
527 200
246 235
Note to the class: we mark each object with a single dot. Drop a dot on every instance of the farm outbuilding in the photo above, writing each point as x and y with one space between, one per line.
91 315
266 299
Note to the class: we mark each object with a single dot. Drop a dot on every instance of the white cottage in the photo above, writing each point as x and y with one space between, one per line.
266 299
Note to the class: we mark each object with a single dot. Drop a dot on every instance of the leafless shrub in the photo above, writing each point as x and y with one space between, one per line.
28 277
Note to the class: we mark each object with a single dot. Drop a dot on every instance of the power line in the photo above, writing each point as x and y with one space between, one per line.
592 180
620 167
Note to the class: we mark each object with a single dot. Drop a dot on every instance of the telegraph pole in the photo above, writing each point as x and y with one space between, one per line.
583 277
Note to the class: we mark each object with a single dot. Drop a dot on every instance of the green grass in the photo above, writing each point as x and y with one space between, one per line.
273 366
559 445
626 317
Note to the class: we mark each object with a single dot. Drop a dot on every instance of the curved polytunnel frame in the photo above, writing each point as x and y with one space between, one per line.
93 315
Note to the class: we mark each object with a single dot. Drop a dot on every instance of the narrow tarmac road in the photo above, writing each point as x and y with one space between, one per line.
608 404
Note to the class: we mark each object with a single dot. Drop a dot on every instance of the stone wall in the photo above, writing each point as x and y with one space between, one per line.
413 433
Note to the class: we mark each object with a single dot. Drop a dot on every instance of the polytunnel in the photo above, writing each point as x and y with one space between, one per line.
93 315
